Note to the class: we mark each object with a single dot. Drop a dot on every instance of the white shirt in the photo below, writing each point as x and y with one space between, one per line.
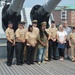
61 35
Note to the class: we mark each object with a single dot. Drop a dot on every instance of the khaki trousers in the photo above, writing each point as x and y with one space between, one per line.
73 51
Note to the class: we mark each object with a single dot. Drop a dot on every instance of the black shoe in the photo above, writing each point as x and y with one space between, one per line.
49 59
18 64
68 58
32 63
8 64
22 63
55 59
28 63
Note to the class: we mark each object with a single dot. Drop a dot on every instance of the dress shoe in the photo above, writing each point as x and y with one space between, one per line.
18 64
8 64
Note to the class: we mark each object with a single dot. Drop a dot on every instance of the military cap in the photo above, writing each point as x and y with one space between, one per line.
20 23
23 22
44 23
34 21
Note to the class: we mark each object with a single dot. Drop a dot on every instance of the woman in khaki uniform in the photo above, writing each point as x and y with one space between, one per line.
10 43
31 43
72 44
20 40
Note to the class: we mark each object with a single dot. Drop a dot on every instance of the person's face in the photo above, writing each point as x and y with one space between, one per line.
35 25
65 24
23 26
31 29
10 25
53 24
20 26
43 28
73 30
61 28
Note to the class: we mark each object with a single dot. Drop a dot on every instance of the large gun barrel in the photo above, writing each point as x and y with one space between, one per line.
12 13
15 6
42 13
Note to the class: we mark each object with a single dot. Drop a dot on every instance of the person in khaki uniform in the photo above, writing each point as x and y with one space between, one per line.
72 44
25 51
10 43
52 42
20 40
35 32
31 44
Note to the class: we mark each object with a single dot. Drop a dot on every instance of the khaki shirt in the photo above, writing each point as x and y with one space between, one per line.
20 34
72 38
10 33
53 32
48 32
35 31
25 31
43 39
31 38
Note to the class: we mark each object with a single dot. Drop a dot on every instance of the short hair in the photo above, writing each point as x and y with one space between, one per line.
30 26
52 21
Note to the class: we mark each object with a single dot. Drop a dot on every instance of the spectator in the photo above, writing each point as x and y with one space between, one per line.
61 37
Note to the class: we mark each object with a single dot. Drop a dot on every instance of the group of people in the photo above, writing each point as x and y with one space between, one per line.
39 44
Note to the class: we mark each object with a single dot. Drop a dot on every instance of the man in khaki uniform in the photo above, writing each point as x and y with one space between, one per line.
25 51
20 40
72 44
52 42
35 32
10 43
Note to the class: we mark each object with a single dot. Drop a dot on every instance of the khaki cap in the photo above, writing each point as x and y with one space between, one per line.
23 22
44 23
34 21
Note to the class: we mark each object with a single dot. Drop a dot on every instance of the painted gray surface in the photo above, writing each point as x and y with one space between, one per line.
51 68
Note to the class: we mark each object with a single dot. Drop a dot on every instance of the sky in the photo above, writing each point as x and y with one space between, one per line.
31 3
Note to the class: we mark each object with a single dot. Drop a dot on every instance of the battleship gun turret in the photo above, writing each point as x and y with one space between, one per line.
11 12
42 13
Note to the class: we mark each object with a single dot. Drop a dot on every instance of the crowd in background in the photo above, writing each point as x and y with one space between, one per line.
40 45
